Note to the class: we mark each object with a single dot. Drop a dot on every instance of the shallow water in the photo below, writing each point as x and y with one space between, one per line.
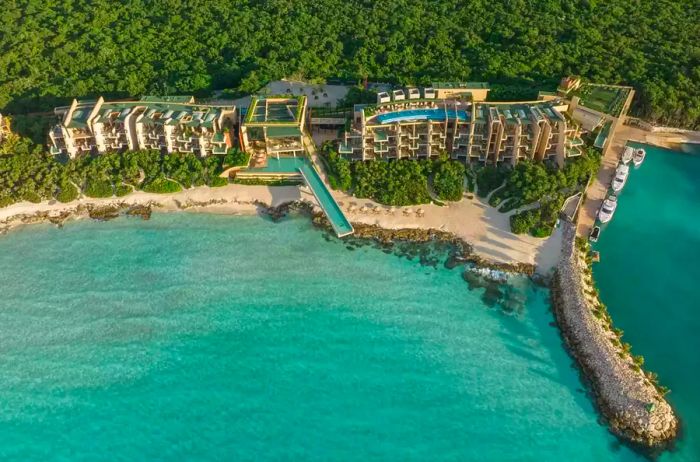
649 274
204 337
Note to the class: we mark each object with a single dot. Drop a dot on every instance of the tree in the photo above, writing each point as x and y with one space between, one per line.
448 180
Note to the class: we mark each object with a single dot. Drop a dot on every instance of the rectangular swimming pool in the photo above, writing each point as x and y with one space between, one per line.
421 114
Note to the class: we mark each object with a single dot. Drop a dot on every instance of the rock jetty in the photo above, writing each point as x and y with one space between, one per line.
630 402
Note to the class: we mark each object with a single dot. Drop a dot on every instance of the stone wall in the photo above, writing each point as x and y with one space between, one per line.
629 401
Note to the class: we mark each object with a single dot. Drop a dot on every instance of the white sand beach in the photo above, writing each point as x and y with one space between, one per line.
470 219
473 220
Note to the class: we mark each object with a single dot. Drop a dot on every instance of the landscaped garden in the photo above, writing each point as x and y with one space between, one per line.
602 98
402 182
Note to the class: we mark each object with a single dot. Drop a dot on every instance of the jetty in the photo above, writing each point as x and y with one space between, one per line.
626 396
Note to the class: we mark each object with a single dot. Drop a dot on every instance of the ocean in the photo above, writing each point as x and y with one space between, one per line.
209 337
649 273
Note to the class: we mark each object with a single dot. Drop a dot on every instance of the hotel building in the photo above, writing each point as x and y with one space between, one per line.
456 119
169 124
273 127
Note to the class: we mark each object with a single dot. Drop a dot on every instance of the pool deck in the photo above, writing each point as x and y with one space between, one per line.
312 178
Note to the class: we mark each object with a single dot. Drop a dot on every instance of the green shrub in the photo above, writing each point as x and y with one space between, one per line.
542 231
523 222
489 178
6 200
162 185
218 181
67 193
403 182
339 173
31 196
236 158
122 190
99 188
448 180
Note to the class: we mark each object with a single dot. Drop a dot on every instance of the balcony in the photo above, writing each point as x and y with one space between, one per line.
575 142
344 148
381 148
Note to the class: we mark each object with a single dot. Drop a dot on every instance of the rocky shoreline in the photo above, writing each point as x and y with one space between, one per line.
104 212
460 251
95 212
627 397
463 251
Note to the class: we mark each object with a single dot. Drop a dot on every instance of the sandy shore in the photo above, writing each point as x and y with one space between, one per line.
234 199
470 219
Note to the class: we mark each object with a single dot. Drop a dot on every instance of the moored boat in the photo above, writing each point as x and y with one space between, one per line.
627 155
595 234
620 177
639 156
608 209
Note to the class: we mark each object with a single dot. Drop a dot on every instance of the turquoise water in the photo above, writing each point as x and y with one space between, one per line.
204 337
421 114
281 165
340 223
648 276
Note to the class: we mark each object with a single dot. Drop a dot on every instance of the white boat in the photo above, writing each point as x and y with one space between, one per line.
608 209
595 234
620 178
639 156
627 155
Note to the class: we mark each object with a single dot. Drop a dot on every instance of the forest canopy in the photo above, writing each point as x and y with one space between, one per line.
51 51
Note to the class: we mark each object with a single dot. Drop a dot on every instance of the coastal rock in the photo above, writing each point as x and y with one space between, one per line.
106 212
461 251
138 210
279 212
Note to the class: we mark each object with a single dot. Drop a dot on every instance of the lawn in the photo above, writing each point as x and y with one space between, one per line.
601 98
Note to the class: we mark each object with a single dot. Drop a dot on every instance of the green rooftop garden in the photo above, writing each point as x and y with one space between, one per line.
265 111
602 98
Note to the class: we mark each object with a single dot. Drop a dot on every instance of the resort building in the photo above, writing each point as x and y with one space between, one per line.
167 123
448 119
273 127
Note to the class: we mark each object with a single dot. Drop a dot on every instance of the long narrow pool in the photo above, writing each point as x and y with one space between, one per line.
421 114
340 223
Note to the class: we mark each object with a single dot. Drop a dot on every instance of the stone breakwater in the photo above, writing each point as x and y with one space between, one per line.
629 401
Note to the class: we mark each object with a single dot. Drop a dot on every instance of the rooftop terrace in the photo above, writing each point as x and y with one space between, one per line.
602 98
466 85
164 110
274 110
